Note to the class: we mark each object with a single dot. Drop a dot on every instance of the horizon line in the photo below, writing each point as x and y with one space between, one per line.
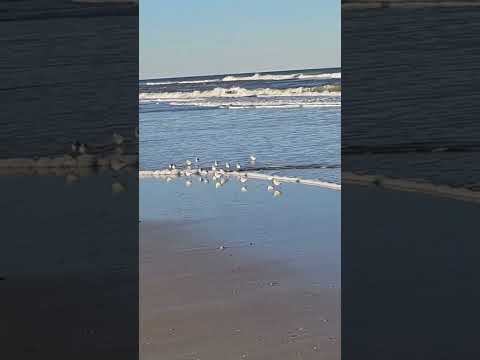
238 73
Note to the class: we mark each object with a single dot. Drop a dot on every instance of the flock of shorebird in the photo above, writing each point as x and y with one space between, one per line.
219 174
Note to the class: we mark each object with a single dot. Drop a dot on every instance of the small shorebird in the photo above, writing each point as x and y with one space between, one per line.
243 179
217 185
117 139
270 188
188 173
75 146
215 163
174 166
277 193
197 160
253 158
276 182
227 165
188 162
82 149
238 166
243 189
214 168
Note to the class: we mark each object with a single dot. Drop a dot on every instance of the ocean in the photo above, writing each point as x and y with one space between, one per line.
289 120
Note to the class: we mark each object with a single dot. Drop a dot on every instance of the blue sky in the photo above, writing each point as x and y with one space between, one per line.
206 37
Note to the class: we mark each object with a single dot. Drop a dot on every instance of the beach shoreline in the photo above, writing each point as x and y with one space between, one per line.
201 302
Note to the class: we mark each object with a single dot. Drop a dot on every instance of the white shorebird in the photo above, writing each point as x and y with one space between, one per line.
188 173
253 158
270 188
82 149
174 166
197 160
117 139
215 163
223 181
238 166
243 189
188 162
75 146
227 165
214 168
276 182
277 193
243 179
217 185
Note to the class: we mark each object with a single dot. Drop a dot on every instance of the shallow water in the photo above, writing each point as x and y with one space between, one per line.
300 227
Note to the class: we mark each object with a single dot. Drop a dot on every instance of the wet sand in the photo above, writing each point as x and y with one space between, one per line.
199 301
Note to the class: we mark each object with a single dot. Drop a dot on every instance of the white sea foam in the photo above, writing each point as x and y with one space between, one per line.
236 92
270 77
255 104
255 77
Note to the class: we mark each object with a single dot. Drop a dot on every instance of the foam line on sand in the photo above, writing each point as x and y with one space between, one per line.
249 174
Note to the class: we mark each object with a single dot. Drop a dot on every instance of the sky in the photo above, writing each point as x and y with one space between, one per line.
209 37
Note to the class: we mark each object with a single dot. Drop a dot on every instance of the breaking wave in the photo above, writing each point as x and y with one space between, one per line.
282 77
255 77
256 104
235 92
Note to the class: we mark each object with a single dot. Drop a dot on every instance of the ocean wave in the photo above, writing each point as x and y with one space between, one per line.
255 77
268 77
235 92
182 82
256 104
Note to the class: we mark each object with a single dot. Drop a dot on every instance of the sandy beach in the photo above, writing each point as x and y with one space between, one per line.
206 296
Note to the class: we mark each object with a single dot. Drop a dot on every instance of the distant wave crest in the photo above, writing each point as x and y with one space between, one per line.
270 77
235 92
256 104
255 77
182 82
